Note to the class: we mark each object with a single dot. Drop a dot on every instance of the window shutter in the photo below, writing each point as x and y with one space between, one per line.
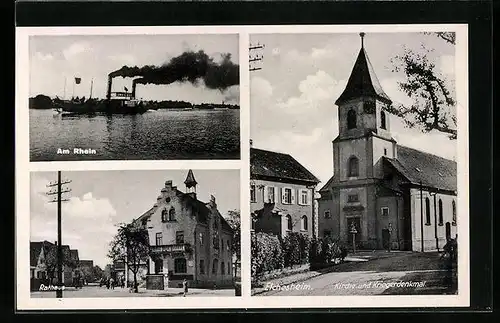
309 197
293 196
266 194
275 194
283 189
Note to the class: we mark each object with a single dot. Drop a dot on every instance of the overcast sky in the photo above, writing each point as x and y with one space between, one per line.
101 199
54 58
292 97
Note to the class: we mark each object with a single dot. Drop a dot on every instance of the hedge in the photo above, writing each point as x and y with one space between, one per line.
267 254
296 249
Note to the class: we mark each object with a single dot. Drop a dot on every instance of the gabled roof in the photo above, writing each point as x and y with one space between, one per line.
278 165
363 82
434 171
35 250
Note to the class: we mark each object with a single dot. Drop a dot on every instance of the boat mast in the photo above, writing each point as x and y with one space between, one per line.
64 95
91 84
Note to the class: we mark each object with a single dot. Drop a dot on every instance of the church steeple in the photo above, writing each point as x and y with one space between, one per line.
190 182
363 82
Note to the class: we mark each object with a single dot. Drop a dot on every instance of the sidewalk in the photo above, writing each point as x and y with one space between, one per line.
100 292
359 256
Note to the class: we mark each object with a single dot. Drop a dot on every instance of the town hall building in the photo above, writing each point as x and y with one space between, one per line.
383 194
189 239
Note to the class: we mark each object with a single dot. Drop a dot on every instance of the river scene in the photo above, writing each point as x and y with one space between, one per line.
157 134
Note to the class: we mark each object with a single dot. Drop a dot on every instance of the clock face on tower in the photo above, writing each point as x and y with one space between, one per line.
369 106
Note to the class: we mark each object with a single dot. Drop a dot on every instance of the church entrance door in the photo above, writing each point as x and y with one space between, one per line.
385 238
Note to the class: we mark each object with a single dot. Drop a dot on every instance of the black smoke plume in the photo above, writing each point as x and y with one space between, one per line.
188 67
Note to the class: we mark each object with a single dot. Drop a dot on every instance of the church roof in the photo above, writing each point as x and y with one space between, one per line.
363 81
278 165
190 181
434 171
415 165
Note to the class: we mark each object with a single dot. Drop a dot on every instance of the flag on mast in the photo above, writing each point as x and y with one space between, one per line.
78 80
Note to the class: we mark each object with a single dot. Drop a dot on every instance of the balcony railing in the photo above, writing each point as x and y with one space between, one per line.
168 248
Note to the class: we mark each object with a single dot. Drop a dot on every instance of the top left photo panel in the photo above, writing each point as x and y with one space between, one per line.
134 97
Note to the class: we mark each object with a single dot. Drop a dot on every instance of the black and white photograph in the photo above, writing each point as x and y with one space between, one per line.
353 163
135 233
134 97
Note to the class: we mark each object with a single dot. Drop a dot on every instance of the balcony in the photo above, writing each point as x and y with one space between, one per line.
168 248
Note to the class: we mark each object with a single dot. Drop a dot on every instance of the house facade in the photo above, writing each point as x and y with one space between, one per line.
281 194
189 239
383 194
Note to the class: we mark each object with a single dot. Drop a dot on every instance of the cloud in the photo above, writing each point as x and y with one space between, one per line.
87 221
75 49
43 57
123 58
260 88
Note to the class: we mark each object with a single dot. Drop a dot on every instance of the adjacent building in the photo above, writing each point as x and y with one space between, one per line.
381 193
281 194
189 239
43 263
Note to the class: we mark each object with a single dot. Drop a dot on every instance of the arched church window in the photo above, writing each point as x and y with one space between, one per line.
164 215
440 205
353 167
427 211
382 120
171 215
351 119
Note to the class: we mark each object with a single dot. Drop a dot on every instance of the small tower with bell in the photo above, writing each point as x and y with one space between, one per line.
191 183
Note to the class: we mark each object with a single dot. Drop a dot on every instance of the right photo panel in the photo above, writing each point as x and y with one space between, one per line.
353 164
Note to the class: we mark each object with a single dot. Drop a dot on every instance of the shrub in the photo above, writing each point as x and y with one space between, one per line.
296 249
267 254
324 251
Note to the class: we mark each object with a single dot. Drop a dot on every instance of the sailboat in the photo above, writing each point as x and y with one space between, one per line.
79 105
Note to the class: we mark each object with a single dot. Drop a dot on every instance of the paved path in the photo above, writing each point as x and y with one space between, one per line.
383 274
96 291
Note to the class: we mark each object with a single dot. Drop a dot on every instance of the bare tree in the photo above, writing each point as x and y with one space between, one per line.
433 106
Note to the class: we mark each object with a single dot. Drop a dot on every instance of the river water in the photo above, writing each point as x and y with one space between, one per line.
154 135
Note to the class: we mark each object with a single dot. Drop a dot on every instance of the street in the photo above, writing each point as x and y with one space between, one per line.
371 273
96 291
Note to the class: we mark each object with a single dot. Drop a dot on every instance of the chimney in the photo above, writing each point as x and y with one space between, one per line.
110 83
134 85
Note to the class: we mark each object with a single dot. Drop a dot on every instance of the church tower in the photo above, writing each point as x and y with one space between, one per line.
364 138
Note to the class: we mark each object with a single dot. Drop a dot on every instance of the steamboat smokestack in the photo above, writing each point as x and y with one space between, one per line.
134 85
110 83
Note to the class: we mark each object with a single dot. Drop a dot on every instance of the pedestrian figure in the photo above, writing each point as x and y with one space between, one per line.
112 283
185 286
107 283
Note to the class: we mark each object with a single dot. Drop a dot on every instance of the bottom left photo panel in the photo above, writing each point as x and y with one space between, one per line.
135 233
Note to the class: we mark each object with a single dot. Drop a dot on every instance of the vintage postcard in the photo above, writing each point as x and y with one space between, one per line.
354 187
229 166
165 233
109 97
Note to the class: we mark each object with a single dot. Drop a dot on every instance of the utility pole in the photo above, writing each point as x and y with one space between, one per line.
252 59
59 199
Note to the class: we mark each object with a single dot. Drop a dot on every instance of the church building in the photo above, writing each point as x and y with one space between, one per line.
189 239
383 194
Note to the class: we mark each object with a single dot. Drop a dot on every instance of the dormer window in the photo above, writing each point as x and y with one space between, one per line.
351 119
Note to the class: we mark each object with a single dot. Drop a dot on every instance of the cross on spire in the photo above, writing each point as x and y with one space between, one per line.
362 35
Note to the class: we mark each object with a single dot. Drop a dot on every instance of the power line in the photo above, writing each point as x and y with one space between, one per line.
59 191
